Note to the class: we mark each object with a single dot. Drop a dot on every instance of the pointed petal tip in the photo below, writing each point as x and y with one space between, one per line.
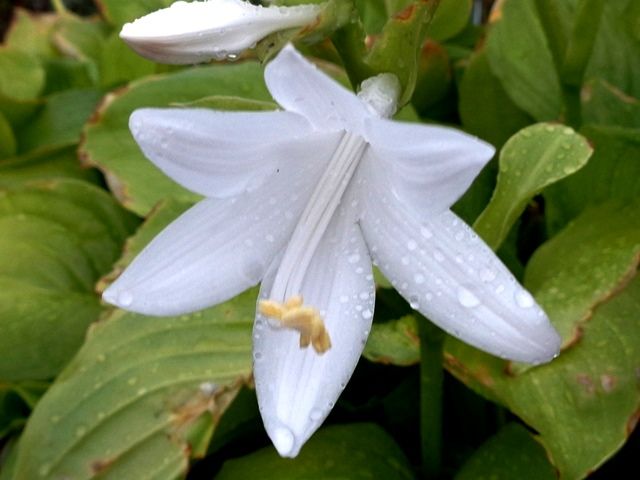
118 298
285 442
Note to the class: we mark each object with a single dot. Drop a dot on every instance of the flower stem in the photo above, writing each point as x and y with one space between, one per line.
59 7
431 377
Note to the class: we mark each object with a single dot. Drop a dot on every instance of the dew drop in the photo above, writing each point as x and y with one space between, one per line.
344 298
125 299
367 314
412 245
524 299
283 440
269 238
437 254
315 415
80 431
257 356
487 275
467 298
353 258
500 288
418 278
425 232
405 260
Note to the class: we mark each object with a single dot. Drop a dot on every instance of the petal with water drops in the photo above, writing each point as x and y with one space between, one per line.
299 86
452 277
219 154
217 249
297 387
428 167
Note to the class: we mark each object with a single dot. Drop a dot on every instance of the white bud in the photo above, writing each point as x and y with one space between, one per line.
380 94
196 32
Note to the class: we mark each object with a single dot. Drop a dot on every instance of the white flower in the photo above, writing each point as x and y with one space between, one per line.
214 29
300 200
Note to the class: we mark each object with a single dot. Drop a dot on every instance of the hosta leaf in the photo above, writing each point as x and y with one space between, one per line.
30 32
450 19
604 104
592 387
395 342
485 108
143 392
7 138
108 144
535 157
22 79
120 64
354 452
511 453
58 238
527 73
612 173
118 12
60 120
43 165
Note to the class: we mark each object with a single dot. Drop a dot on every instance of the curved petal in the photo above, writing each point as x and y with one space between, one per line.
447 273
194 32
219 154
299 86
297 388
428 167
216 249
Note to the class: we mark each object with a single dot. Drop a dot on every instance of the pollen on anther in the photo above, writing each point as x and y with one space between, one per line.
304 319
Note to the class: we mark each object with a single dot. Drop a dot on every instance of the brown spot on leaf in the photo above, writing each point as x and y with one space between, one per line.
100 466
608 382
586 382
633 422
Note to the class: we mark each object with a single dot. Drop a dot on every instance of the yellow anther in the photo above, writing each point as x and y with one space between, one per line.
306 320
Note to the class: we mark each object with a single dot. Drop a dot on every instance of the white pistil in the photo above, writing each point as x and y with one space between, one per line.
316 216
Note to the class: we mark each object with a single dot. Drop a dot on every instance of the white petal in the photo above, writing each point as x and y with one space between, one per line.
219 154
216 249
428 167
297 388
199 31
446 272
299 86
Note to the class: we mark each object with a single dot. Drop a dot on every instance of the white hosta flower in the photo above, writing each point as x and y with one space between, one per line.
301 199
213 29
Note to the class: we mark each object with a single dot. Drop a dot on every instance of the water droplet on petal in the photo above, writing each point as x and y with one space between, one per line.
125 299
418 278
524 299
467 298
283 440
487 275
425 232
412 245
315 415
367 314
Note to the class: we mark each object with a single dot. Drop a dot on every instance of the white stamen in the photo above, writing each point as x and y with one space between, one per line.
316 217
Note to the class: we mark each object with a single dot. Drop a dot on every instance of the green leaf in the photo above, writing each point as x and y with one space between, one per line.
7 138
16 402
118 12
108 144
60 121
511 453
30 32
143 392
535 157
45 165
612 173
341 452
434 79
604 104
58 239
451 17
22 79
485 108
80 38
395 342
618 33
585 402
119 64
397 48
520 57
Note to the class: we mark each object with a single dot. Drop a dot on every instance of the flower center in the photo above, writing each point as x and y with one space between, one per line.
304 242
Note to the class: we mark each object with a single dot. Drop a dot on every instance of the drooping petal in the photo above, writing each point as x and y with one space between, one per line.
219 154
299 86
428 167
194 32
216 249
297 387
447 273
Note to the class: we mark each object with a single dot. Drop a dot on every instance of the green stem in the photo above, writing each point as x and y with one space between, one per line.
59 7
431 377
349 42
